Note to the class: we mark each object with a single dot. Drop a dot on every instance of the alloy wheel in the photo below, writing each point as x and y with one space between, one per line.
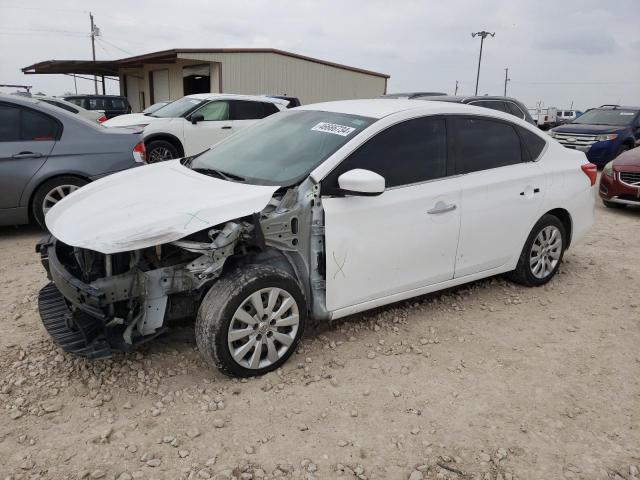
263 328
545 252
159 154
55 195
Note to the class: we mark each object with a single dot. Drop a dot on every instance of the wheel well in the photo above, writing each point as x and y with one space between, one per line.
167 138
565 217
48 179
630 142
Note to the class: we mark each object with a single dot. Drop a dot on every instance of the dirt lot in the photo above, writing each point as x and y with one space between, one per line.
489 381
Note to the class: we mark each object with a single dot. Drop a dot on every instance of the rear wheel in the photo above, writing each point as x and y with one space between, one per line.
160 151
50 193
251 320
542 253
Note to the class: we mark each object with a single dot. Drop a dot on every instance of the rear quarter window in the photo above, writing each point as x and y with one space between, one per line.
533 144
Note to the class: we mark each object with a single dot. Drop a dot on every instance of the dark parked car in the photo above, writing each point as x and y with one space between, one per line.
46 153
503 104
620 180
111 105
602 133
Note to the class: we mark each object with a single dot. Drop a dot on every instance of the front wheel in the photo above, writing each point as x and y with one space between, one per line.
542 253
251 320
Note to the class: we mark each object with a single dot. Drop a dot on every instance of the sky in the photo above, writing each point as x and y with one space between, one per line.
571 52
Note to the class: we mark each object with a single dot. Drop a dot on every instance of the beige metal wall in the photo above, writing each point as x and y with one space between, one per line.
263 73
175 79
271 73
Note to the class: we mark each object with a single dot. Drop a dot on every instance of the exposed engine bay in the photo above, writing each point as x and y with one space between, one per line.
99 302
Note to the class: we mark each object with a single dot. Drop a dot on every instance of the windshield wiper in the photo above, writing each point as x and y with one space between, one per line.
219 174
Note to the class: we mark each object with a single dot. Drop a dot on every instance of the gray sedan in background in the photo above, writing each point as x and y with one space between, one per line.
46 153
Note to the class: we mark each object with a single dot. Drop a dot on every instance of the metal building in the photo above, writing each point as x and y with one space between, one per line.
171 74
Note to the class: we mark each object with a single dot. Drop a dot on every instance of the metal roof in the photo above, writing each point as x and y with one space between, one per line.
111 67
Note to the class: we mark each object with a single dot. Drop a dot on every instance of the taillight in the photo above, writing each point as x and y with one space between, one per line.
102 118
140 153
591 171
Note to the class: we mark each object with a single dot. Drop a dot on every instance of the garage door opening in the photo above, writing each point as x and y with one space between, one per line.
196 79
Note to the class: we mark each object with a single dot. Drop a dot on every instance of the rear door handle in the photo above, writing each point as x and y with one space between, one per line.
226 127
27 155
441 207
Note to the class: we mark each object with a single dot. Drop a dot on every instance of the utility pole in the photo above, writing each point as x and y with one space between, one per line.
456 92
94 32
506 79
482 36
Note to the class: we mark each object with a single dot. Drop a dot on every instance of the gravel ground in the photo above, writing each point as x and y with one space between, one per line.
488 381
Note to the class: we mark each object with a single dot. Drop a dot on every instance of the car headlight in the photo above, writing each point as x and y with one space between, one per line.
608 169
604 138
552 134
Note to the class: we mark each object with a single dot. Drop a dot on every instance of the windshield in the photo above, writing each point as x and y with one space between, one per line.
178 108
618 118
282 148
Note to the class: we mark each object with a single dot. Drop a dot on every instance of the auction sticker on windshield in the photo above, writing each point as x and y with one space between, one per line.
334 128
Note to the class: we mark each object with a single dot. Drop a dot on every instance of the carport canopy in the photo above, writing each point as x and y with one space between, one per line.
74 67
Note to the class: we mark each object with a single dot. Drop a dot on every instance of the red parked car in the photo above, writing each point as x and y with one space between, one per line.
620 180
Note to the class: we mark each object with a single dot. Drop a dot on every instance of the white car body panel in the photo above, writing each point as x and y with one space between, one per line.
149 206
383 245
130 120
489 197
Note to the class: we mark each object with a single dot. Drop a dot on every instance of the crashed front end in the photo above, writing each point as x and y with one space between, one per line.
100 302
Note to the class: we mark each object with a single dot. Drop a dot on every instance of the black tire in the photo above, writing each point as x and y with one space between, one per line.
613 204
221 302
160 151
523 273
37 202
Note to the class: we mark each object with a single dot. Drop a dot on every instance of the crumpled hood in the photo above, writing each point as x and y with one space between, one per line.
129 120
586 128
148 206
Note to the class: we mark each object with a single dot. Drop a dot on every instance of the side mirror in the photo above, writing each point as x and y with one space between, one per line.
197 117
361 182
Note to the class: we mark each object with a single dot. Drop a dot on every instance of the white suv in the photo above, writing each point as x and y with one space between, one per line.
194 123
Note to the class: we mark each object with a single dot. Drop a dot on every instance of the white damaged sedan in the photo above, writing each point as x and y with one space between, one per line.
320 211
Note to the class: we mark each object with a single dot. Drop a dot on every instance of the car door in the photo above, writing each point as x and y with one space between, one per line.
502 193
403 239
26 139
215 126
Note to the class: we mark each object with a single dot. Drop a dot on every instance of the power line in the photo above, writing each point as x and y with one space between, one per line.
115 46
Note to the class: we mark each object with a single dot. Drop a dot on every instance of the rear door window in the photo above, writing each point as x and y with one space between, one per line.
483 144
269 109
9 123
515 110
116 104
247 110
97 104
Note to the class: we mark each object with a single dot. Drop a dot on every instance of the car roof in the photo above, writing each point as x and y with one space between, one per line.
382 107
92 95
468 98
237 96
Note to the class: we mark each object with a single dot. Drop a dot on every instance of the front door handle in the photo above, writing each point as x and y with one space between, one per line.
441 207
27 155
535 190
226 127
